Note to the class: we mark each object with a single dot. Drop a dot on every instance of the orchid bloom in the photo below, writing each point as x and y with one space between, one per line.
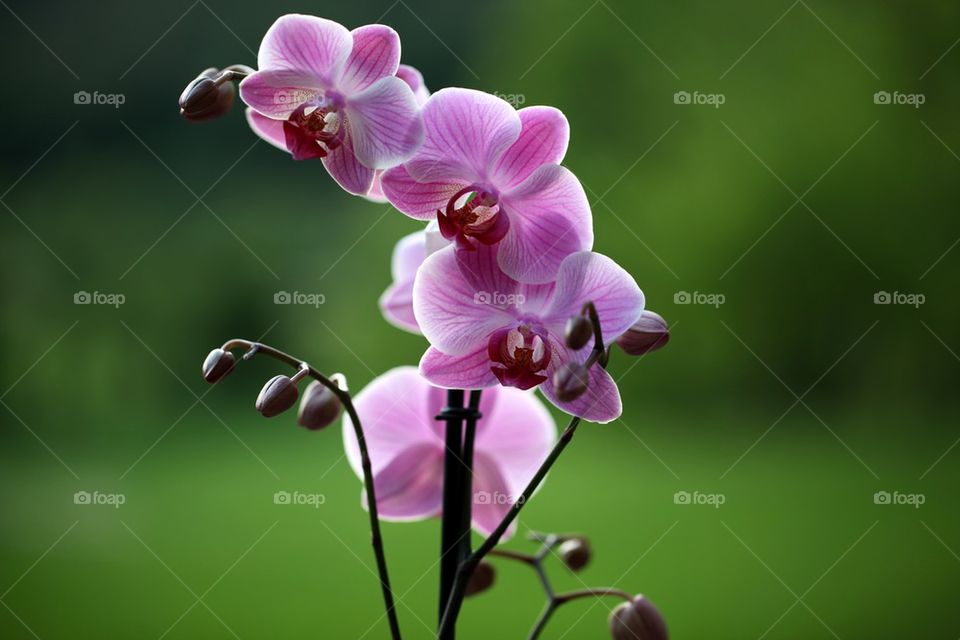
334 94
486 328
396 303
406 444
490 175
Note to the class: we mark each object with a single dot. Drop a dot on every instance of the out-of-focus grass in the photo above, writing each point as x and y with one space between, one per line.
799 518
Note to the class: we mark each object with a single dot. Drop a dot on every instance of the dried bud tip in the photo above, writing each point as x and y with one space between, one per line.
649 333
638 619
205 99
575 553
319 407
481 579
278 395
578 332
217 365
570 381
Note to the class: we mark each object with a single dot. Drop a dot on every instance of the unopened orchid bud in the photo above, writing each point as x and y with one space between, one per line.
649 333
638 619
575 553
319 407
578 332
205 98
570 381
279 394
481 579
217 365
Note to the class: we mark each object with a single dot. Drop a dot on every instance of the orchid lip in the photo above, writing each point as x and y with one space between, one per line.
313 131
522 354
473 213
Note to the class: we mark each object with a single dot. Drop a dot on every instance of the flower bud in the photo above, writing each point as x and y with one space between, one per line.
279 394
481 579
648 334
575 553
319 407
570 381
638 619
217 365
578 332
205 99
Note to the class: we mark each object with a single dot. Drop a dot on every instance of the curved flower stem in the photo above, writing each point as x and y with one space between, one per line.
467 566
556 601
254 348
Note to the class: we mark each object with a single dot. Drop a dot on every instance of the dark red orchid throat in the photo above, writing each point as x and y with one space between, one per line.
312 132
523 355
478 216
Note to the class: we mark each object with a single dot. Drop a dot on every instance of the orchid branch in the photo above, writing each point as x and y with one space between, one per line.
343 395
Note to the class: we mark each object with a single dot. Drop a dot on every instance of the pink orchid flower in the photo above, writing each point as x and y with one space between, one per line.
406 444
490 175
335 95
486 328
396 303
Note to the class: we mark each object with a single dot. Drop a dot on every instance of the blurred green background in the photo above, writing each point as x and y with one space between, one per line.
797 200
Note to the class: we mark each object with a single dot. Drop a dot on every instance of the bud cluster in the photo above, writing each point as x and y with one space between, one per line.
319 407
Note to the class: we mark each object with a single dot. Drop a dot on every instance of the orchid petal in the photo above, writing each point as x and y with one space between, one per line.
410 487
466 133
601 401
543 139
468 371
517 431
267 128
550 219
278 93
392 410
452 299
344 167
385 122
414 78
492 497
591 277
419 200
375 55
306 44
396 303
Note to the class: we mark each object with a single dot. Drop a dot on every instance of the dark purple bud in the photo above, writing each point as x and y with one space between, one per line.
638 619
319 407
205 99
570 381
279 394
575 553
648 334
481 579
578 332
217 365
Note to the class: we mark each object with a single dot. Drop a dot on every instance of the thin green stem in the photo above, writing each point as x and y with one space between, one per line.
376 539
